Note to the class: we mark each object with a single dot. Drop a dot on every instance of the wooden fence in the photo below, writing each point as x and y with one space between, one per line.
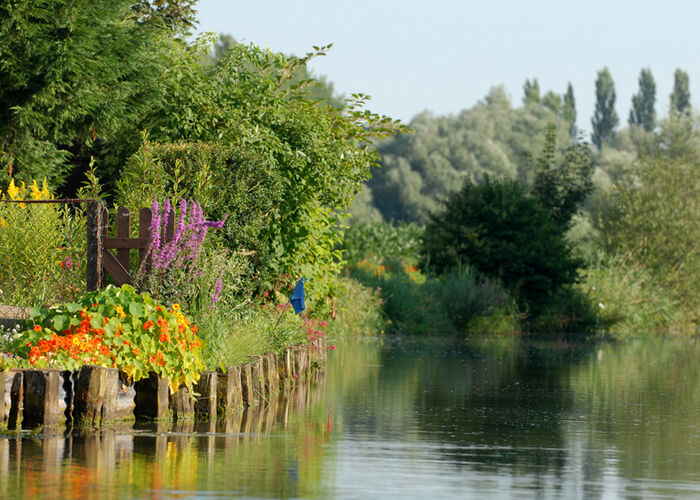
101 261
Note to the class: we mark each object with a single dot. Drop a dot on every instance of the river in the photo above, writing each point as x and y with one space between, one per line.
409 417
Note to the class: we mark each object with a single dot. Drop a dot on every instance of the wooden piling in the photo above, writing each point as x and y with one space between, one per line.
300 361
126 396
182 404
5 395
41 394
16 401
152 397
257 378
95 397
272 378
229 392
247 388
206 394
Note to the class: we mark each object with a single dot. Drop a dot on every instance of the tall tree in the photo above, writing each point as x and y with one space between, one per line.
642 112
680 97
552 101
569 110
561 184
178 15
605 117
531 91
77 79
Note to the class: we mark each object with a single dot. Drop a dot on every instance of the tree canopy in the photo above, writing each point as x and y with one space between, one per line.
642 112
605 118
680 96
421 169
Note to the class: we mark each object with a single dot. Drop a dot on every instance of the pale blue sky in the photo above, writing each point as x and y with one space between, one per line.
444 56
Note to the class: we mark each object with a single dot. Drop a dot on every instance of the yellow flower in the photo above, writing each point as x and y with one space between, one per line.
36 193
12 190
3 222
120 311
176 307
45 190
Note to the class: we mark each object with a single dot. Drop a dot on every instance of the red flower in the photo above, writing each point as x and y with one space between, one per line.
148 324
331 348
37 328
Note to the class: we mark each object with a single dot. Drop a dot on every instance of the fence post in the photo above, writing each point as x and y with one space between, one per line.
94 245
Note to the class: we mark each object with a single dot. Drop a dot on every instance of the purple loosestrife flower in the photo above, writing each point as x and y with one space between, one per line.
217 291
155 230
171 248
201 233
215 224
159 253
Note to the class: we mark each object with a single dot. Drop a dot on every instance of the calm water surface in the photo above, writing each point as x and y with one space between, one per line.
411 418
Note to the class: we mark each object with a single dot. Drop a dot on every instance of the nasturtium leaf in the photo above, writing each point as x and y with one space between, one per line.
61 322
97 321
73 307
136 309
35 313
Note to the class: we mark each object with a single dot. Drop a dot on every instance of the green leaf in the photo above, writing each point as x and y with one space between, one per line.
35 313
61 322
73 307
136 309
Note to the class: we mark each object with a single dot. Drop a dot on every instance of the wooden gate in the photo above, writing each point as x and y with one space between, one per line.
100 258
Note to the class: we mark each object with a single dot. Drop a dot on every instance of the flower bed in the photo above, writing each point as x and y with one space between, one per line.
112 328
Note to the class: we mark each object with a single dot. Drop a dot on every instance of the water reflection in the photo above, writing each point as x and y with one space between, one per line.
248 453
501 417
411 418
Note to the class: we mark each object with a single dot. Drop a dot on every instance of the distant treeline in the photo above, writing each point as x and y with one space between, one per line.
495 138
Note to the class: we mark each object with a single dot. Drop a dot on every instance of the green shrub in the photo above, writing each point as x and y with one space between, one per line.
503 233
654 220
628 299
465 296
382 239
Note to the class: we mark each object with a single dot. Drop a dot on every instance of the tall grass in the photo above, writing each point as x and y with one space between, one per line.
628 300
457 302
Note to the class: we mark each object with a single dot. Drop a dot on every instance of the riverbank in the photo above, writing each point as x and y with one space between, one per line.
612 296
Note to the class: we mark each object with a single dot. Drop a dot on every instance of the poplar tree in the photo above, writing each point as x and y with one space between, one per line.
569 110
605 117
680 97
642 112
531 91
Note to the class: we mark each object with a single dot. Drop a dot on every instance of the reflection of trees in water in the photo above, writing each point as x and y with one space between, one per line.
587 419
643 403
274 449
491 403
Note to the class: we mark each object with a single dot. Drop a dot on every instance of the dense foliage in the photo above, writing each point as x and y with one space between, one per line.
505 233
281 165
421 169
653 218
77 79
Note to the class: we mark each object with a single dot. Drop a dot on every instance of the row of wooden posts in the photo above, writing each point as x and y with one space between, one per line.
94 395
